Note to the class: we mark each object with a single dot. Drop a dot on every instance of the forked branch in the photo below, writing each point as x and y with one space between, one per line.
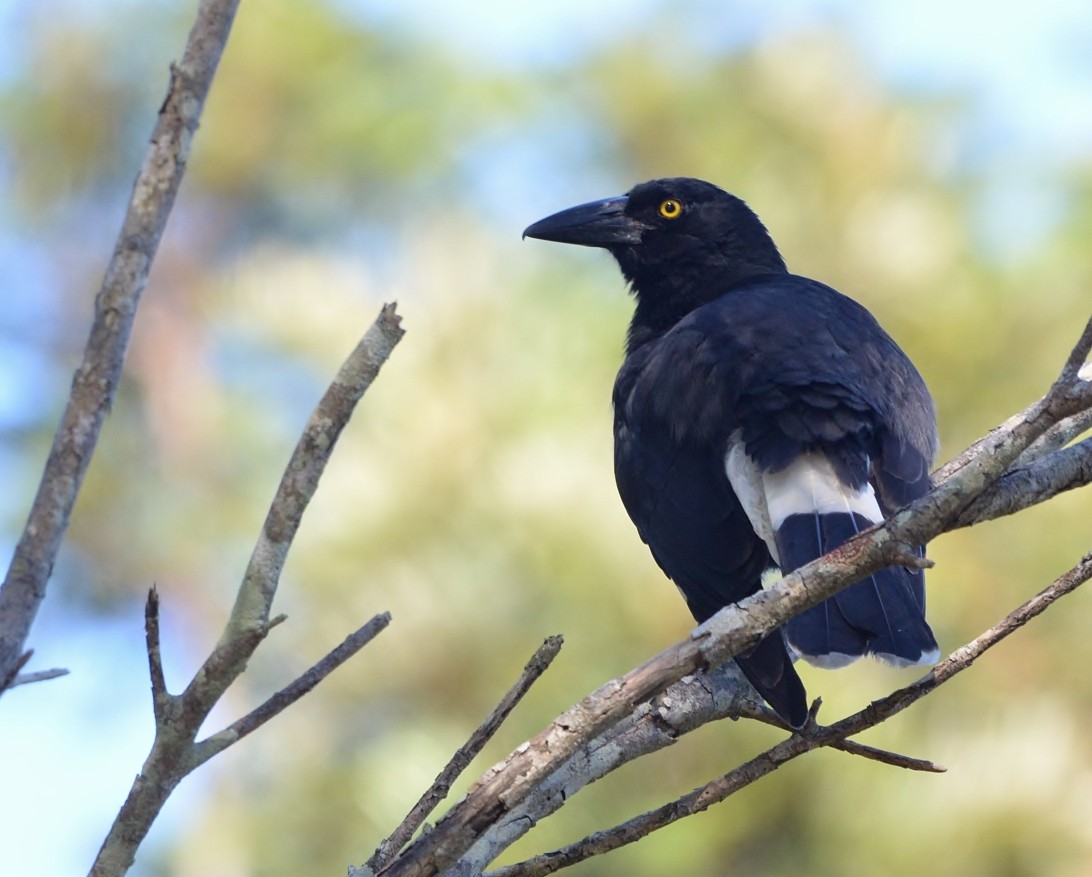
175 751
810 738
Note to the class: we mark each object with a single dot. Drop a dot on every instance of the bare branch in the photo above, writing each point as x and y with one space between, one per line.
850 747
39 676
684 706
96 379
250 617
179 717
1031 484
1058 436
10 674
885 756
536 666
812 737
275 705
301 476
160 697
1079 355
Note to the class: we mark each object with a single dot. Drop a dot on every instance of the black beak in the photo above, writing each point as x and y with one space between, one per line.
596 224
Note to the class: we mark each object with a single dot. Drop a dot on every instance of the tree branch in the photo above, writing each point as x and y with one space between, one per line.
179 717
249 619
799 744
96 379
1058 436
160 696
387 850
1072 376
693 701
279 702
39 676
1031 484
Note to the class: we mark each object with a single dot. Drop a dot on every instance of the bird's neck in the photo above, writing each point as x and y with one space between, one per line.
654 316
662 301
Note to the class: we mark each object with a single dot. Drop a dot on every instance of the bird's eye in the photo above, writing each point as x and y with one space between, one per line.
670 209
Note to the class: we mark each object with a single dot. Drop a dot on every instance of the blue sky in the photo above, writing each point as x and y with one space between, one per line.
1026 67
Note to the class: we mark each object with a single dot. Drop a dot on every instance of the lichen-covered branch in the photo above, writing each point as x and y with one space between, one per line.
1031 484
682 707
96 380
800 743
536 666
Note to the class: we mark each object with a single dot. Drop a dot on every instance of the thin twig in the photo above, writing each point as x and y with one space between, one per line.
305 468
250 621
811 738
1077 358
684 706
38 676
1058 436
218 742
886 756
535 667
155 656
850 747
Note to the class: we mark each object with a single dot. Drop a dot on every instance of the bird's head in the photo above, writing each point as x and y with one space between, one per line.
680 243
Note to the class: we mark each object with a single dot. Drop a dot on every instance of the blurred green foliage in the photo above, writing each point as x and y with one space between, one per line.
342 163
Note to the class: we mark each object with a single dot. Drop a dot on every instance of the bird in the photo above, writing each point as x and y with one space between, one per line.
761 419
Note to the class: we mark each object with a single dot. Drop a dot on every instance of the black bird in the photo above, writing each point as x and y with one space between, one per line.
760 420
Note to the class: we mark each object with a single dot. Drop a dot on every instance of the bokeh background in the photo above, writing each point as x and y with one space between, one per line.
929 158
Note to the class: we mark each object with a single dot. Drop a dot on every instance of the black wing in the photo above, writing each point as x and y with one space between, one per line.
677 493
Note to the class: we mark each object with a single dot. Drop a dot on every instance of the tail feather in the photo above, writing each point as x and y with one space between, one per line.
769 669
882 615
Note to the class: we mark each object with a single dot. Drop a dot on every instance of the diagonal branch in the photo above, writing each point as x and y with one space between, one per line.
1058 436
684 706
160 697
96 379
386 851
799 744
249 620
1031 484
1071 377
279 702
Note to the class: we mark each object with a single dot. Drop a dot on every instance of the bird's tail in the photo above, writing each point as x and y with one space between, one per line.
769 669
882 615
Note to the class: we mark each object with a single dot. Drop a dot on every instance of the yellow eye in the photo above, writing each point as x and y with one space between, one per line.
670 209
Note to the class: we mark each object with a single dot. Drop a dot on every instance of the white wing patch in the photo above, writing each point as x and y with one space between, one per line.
808 485
746 480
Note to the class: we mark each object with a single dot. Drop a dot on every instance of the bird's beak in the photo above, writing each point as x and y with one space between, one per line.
596 224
